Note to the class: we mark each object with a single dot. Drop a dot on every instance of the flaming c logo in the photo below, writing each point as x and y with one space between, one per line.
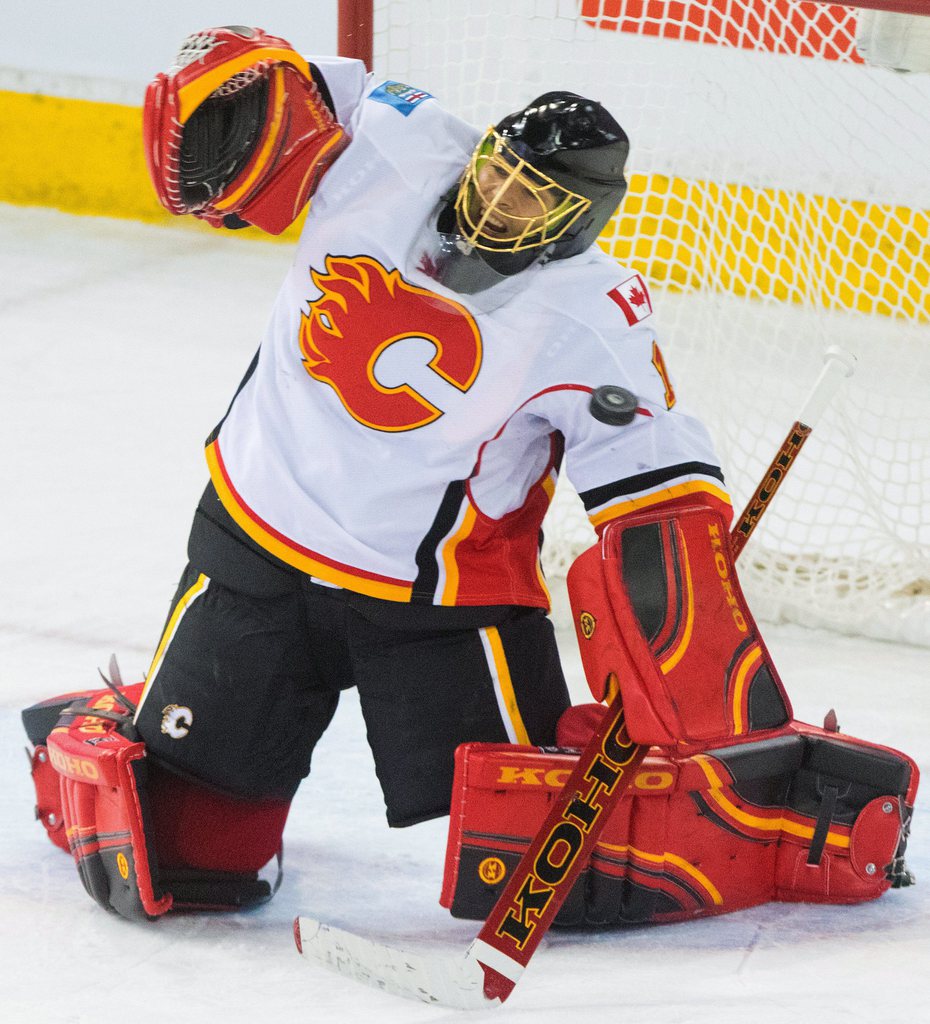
363 310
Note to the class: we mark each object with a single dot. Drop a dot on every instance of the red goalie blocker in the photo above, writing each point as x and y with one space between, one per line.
659 611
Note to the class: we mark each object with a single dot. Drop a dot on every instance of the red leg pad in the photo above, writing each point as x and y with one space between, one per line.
196 827
144 840
659 611
39 720
803 816
102 795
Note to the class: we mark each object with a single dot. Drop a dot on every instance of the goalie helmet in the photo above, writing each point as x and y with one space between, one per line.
237 131
541 185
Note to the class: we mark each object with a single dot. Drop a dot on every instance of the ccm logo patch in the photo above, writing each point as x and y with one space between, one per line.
632 297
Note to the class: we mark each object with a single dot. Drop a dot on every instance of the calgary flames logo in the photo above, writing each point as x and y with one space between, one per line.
363 310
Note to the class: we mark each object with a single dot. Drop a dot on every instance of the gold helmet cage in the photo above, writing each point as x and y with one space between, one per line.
505 204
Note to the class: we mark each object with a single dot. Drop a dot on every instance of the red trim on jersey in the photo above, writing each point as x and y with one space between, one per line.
502 555
497 561
503 427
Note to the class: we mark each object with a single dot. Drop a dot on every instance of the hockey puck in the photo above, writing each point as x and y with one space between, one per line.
613 404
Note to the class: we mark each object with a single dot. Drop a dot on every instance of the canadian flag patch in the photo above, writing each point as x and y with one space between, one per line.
632 297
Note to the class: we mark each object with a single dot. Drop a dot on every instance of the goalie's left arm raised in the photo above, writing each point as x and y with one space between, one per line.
241 128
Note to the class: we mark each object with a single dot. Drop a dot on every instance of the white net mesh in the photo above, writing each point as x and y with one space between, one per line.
779 203
194 47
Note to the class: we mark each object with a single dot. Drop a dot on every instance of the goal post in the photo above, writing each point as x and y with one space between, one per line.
779 203
355 29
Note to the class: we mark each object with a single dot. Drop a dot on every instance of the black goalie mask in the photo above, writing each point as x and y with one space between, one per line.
541 185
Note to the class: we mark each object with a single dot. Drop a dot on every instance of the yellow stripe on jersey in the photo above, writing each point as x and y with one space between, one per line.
171 628
450 589
503 685
544 586
621 508
548 484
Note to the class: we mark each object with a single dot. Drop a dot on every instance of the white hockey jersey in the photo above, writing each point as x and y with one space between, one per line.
401 440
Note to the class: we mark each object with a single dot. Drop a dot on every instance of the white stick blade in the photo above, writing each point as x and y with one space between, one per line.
454 981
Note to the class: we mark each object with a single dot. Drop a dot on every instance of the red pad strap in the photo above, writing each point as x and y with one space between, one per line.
659 611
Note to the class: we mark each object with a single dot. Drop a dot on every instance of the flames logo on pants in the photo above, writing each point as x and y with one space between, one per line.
363 310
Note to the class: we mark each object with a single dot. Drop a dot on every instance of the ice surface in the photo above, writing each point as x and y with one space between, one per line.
121 346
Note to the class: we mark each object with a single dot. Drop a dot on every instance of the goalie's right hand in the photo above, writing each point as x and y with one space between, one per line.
237 130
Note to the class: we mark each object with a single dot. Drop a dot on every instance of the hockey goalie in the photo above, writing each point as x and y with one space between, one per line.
736 804
441 343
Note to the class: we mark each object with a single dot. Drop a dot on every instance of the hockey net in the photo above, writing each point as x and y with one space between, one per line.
779 203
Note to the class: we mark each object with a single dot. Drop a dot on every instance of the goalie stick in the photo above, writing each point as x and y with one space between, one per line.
837 365
486 973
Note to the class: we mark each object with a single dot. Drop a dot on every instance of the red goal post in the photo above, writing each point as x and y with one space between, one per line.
355 28
779 203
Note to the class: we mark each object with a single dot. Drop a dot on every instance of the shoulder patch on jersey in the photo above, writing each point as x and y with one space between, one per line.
632 296
402 97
